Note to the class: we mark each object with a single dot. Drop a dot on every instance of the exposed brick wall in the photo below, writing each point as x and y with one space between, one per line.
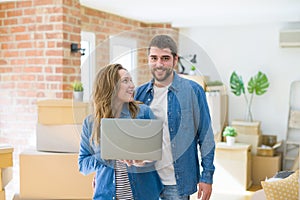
36 62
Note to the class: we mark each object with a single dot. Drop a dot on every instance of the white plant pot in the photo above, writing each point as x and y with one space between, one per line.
230 140
77 96
192 72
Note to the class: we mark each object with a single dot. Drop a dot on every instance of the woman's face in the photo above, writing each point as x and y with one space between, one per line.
126 87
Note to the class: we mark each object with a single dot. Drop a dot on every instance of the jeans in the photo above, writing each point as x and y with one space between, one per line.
170 193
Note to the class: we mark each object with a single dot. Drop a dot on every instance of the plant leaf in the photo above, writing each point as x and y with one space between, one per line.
258 84
236 84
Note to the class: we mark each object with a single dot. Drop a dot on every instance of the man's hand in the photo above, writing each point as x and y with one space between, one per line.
204 191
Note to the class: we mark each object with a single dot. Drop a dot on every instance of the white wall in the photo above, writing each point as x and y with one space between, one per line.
248 49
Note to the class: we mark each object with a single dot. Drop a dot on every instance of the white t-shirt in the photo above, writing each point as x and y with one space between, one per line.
159 106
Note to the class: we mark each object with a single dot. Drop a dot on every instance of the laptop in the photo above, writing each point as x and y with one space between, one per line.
131 139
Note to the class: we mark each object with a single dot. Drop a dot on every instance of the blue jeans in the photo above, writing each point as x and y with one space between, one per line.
170 193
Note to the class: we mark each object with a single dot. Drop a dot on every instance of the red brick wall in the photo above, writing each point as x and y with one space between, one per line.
36 62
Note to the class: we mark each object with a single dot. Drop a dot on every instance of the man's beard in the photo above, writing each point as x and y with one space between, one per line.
168 72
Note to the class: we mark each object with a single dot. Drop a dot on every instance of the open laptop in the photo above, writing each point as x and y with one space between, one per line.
131 139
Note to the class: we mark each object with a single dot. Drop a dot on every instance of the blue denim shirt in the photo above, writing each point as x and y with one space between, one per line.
145 182
189 125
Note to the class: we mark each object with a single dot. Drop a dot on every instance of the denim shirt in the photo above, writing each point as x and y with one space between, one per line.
189 126
144 181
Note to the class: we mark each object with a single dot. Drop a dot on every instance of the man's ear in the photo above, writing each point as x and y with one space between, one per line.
175 62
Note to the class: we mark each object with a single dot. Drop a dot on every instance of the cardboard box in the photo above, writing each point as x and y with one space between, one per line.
233 167
254 140
264 167
17 197
217 104
2 195
6 175
262 151
61 111
6 156
269 140
58 138
247 128
267 151
53 176
201 80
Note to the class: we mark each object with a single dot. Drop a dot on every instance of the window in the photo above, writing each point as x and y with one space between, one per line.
123 51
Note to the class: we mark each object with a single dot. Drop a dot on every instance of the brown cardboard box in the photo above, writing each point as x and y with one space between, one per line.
2 195
261 151
61 111
267 150
58 138
6 175
17 197
263 166
253 140
53 176
233 167
269 140
245 127
201 80
6 156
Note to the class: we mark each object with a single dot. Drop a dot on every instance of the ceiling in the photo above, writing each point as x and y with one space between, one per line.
189 13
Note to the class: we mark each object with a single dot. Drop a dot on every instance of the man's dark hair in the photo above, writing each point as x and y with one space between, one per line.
162 42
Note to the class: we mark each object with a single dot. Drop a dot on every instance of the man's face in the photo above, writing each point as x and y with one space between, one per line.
161 62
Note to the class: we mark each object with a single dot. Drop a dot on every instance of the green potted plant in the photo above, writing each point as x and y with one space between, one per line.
78 91
257 84
230 133
192 70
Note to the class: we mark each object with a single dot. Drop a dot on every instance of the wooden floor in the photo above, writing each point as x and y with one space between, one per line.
246 195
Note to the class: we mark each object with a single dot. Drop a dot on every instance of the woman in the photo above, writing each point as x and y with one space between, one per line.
113 98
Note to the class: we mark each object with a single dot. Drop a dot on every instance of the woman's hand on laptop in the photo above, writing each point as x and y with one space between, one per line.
136 163
127 162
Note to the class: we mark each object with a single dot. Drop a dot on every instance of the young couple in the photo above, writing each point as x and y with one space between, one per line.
187 134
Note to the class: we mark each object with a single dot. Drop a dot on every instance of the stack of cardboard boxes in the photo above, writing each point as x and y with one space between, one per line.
51 170
233 167
6 166
265 161
248 133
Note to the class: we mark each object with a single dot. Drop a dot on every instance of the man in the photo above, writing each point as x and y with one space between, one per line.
182 105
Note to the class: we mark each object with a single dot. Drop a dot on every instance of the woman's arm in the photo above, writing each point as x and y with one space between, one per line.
89 159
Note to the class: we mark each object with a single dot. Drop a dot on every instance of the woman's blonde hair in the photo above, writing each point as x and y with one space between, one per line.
105 89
